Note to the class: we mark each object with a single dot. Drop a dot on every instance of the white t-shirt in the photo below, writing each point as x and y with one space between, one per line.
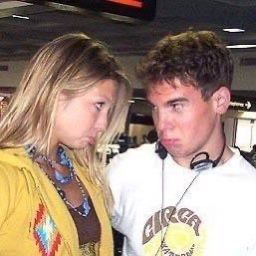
216 216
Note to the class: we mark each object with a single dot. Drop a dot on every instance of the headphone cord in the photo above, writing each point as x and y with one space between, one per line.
162 207
163 156
163 233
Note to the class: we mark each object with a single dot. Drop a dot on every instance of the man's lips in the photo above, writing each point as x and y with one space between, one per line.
169 142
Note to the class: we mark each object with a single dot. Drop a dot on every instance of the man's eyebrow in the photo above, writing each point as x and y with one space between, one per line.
180 99
168 102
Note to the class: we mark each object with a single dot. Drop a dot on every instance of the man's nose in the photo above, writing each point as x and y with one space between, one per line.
163 121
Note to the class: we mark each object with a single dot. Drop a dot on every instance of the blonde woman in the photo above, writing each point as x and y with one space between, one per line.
73 97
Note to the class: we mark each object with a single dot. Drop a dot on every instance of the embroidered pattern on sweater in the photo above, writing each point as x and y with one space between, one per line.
89 249
45 232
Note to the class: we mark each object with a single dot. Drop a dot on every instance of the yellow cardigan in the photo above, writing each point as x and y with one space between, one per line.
33 218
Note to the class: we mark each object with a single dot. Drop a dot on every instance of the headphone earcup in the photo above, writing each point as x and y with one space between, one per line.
161 150
202 164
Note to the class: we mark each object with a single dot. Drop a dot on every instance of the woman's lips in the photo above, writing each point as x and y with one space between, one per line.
91 140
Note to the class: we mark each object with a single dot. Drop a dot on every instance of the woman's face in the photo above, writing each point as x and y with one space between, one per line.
79 120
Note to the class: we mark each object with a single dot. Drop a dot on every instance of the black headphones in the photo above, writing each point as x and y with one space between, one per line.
198 165
161 150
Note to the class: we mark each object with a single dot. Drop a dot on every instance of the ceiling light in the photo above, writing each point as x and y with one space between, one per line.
233 30
241 46
20 17
12 4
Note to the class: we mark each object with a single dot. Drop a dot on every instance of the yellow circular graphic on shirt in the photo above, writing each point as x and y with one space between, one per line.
152 246
178 239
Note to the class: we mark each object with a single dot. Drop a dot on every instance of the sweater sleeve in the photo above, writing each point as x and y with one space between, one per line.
9 190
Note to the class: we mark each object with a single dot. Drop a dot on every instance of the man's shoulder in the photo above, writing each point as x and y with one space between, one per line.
132 160
141 153
244 169
248 167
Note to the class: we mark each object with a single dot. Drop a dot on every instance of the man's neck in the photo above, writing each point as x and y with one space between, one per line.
225 156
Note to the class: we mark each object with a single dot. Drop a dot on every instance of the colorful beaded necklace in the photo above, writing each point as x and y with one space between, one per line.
60 179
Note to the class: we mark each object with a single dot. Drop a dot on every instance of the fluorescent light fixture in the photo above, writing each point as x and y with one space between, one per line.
233 30
12 4
241 46
20 17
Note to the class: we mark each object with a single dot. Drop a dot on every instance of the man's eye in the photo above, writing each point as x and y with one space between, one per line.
177 107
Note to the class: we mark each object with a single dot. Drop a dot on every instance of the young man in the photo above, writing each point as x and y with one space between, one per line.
189 195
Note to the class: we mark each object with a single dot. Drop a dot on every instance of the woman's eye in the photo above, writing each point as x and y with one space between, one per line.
99 105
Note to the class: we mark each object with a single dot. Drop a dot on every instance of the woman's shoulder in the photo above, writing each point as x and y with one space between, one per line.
13 161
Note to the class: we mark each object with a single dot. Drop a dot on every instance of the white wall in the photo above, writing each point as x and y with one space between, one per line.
129 64
12 76
244 76
244 79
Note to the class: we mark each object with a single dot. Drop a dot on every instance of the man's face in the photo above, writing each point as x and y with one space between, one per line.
186 124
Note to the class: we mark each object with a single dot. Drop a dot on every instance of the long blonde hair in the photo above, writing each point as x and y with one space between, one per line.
71 63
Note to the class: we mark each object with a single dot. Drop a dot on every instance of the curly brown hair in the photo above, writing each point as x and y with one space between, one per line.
198 58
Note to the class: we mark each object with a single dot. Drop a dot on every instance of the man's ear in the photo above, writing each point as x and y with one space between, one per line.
221 100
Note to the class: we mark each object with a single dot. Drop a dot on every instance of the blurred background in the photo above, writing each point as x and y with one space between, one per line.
130 28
